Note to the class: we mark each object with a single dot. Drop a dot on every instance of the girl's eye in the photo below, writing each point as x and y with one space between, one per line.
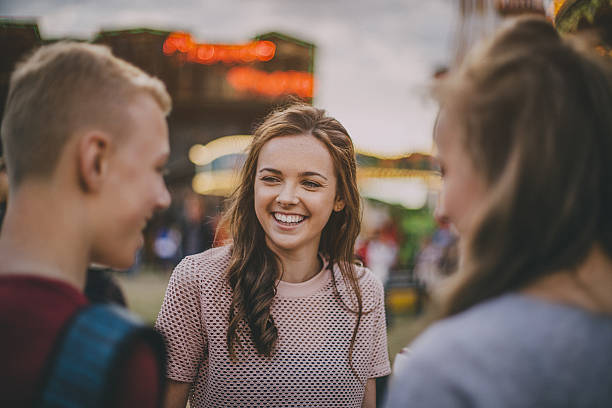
438 168
310 184
163 170
269 179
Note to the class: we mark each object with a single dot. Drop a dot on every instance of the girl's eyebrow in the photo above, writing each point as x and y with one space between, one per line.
312 173
303 174
270 170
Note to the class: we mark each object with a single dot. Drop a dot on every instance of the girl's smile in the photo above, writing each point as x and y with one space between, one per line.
288 220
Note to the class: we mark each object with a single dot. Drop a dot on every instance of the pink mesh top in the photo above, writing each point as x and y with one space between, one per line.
309 367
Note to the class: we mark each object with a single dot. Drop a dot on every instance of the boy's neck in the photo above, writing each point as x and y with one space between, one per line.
40 236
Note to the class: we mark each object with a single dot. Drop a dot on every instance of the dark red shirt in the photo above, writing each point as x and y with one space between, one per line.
33 311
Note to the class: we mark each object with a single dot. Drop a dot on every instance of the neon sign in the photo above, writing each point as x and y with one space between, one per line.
212 53
271 83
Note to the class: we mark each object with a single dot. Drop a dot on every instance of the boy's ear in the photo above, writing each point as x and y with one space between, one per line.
93 154
338 204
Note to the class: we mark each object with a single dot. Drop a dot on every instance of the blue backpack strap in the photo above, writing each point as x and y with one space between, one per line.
95 343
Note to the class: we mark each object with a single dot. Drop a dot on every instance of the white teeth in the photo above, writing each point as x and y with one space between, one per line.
290 219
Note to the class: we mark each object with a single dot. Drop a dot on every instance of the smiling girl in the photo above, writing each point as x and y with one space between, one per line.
282 317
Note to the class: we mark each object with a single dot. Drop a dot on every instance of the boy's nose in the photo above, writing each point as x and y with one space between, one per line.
164 199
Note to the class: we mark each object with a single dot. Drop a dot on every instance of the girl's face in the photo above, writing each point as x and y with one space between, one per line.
295 193
463 189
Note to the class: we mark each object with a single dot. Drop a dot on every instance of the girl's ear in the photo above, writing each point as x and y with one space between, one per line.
338 204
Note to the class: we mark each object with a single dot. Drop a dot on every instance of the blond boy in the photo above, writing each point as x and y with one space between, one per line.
85 142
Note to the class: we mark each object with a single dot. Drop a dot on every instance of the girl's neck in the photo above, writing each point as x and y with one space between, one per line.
587 287
297 267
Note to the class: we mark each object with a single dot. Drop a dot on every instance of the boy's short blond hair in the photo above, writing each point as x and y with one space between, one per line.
64 88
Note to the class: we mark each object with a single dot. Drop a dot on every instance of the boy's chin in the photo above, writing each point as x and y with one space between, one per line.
117 263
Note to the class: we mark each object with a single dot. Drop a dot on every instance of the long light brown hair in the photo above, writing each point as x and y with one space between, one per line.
535 120
254 268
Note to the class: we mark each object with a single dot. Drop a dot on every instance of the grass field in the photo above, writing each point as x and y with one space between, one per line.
145 293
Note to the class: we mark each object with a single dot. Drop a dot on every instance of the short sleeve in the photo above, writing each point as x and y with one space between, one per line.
179 321
379 365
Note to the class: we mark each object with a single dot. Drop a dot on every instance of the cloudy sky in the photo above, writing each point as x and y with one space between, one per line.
374 58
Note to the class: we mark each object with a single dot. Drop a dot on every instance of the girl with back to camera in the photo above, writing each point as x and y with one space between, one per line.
524 137
282 317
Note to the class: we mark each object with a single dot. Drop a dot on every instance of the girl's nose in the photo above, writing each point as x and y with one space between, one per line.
440 214
287 196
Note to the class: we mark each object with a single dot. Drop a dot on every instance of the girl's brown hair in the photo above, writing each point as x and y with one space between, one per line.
535 114
254 268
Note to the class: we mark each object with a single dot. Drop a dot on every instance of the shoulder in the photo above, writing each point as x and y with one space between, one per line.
528 321
474 331
503 344
368 282
371 288
208 265
451 360
218 256
39 286
497 334
55 302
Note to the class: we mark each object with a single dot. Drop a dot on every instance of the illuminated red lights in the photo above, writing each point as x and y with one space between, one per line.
271 83
243 78
213 53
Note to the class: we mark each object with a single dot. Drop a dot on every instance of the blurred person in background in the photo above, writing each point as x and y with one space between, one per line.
167 242
85 141
437 259
525 145
197 233
282 316
381 252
